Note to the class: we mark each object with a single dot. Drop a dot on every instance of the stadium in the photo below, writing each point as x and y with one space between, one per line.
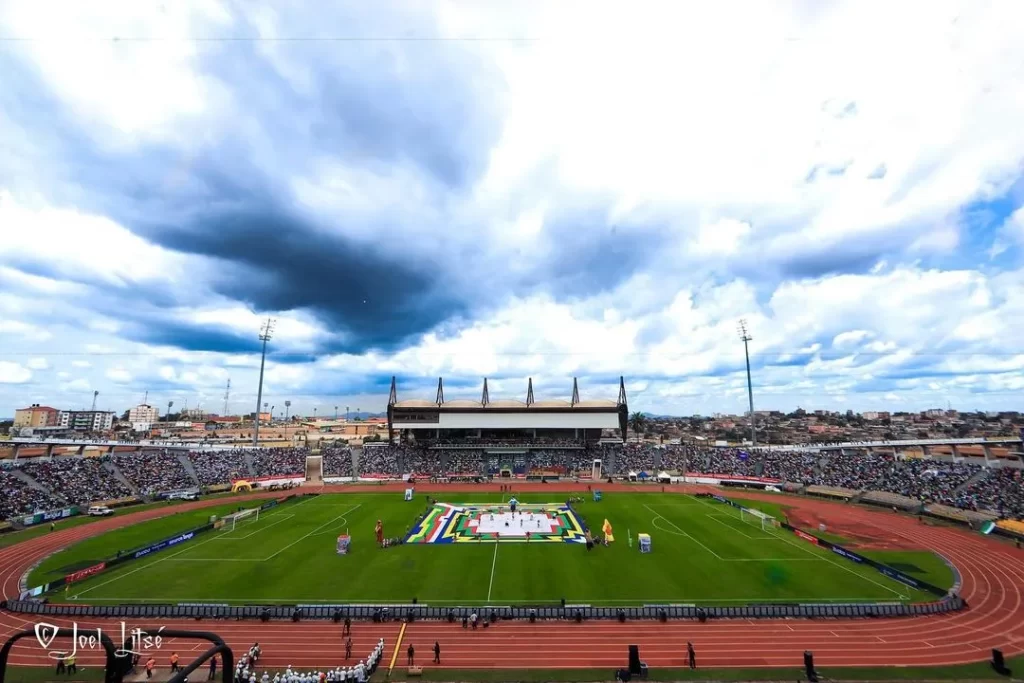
528 540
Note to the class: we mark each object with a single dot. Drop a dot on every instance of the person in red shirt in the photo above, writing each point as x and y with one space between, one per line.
150 663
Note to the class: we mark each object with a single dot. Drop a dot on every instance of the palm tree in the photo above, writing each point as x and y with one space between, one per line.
638 423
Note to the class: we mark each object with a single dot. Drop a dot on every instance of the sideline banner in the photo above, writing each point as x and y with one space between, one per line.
807 537
85 573
885 570
50 515
168 542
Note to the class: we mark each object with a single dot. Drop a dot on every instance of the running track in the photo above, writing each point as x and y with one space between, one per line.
992 575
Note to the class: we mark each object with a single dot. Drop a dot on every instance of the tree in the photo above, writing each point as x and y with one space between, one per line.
638 422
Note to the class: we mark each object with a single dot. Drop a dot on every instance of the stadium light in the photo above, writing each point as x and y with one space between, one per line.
746 338
266 332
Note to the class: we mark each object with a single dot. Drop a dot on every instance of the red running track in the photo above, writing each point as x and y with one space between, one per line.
992 582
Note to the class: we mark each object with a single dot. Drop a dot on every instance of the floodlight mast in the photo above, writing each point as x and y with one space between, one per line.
266 332
746 339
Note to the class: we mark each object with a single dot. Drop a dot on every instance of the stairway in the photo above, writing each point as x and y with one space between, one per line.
114 470
187 464
29 480
357 461
314 470
981 474
250 465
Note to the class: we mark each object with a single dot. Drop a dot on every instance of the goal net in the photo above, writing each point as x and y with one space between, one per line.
232 520
757 518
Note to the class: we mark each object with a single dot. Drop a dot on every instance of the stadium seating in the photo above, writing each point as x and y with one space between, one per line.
943 485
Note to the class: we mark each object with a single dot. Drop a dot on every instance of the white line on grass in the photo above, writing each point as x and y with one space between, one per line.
762 537
494 561
344 519
277 520
147 566
657 516
188 547
313 532
803 547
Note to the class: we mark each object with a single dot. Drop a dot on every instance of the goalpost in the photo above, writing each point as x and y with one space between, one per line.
235 517
757 518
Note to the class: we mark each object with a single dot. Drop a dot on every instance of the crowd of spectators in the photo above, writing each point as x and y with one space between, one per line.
79 481
153 472
21 499
275 462
219 467
463 462
926 480
337 462
1001 491
631 458
382 460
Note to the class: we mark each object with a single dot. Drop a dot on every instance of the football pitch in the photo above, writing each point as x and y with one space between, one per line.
703 553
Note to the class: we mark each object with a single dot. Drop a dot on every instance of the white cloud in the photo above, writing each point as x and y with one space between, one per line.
77 245
119 375
13 373
25 330
131 89
804 170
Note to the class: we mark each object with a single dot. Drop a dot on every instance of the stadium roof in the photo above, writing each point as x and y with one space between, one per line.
486 403
506 403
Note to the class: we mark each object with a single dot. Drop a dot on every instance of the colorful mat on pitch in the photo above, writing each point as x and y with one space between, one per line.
533 523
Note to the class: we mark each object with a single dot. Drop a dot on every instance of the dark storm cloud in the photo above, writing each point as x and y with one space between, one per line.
192 337
370 298
851 258
590 253
372 106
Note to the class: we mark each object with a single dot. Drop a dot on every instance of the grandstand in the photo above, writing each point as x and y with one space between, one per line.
547 423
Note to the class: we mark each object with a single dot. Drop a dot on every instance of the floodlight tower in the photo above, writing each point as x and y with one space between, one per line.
170 404
287 409
266 332
746 339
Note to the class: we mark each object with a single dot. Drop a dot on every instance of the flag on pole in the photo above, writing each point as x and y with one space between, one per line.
629 538
606 529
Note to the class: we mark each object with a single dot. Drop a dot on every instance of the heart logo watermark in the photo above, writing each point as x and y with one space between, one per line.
45 633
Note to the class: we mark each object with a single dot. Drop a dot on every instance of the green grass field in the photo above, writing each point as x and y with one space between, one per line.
703 553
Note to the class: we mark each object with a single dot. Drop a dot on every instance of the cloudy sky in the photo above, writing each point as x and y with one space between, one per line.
545 189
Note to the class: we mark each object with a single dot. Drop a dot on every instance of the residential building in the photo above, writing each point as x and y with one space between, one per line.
90 420
143 413
36 416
